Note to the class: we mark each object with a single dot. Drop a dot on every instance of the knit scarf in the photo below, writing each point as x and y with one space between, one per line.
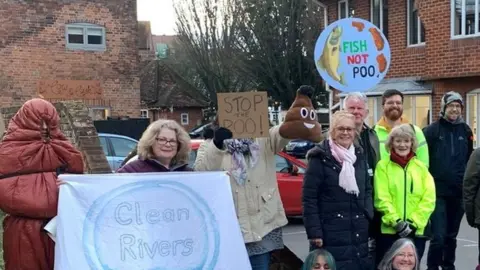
347 158
241 151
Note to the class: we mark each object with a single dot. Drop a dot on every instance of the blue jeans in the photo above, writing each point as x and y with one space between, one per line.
260 262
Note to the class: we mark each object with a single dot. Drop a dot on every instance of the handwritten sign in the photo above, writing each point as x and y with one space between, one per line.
148 221
352 55
245 114
69 89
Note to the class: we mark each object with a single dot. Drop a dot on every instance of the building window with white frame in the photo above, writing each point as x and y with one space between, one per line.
472 112
184 119
323 16
85 36
344 10
143 113
464 18
416 109
99 113
379 14
415 28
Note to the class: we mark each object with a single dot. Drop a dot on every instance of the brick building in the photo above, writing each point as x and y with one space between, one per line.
435 49
71 50
164 93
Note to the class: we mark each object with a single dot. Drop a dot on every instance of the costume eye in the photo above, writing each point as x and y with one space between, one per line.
312 114
304 112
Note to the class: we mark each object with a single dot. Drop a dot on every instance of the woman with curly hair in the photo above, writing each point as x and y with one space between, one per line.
163 147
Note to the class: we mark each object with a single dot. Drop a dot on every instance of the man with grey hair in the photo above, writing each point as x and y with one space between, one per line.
450 143
356 104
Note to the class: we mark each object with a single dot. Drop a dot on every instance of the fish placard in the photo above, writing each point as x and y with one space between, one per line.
352 55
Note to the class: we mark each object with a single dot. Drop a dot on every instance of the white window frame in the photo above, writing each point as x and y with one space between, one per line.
325 14
463 20
419 30
469 97
182 115
340 2
107 111
85 46
381 13
144 114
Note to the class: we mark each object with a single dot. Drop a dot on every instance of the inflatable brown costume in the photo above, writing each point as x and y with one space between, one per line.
31 153
301 119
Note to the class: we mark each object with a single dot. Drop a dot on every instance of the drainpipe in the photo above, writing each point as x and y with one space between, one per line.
330 101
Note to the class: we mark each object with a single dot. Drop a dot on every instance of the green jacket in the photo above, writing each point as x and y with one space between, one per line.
403 194
422 150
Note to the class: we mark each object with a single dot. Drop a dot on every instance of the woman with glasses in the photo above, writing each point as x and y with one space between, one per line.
401 256
337 196
163 147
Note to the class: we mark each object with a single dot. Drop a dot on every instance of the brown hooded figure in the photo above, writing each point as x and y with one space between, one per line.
301 119
32 152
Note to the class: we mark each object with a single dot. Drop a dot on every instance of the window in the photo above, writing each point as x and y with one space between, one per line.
191 158
472 112
85 36
343 10
184 119
103 144
99 113
143 113
464 18
416 109
415 29
281 164
122 147
323 16
379 14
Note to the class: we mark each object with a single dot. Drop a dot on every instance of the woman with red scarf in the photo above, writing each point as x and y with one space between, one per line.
404 192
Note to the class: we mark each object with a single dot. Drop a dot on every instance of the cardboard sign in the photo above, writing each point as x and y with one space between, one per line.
68 89
148 221
245 113
352 55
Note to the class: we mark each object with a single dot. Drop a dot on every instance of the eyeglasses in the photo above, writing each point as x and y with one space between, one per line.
164 141
345 129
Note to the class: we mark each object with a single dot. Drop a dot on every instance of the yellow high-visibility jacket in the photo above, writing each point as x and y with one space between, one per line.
403 194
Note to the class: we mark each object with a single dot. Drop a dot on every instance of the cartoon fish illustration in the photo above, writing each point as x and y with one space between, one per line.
330 58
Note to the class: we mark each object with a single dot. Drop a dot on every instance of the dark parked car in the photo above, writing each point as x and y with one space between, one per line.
299 148
197 132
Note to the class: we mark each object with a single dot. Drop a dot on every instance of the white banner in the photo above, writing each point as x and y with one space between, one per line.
160 221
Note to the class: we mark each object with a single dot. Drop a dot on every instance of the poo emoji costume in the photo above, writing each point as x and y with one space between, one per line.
301 119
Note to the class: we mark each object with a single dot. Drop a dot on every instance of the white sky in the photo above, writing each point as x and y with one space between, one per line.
160 13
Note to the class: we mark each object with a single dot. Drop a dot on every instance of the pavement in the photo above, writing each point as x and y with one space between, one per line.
467 244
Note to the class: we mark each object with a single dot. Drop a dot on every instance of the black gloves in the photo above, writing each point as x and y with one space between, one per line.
405 229
220 135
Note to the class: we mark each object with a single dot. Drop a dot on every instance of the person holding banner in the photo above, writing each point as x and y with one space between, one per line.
337 196
163 147
32 154
251 166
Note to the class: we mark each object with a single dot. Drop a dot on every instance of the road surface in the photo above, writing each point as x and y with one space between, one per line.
467 244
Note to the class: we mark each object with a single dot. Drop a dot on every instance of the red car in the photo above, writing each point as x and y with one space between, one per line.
290 173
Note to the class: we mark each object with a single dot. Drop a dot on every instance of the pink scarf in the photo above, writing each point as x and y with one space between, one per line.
347 158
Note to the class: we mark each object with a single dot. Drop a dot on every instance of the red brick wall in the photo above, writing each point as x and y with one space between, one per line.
446 58
195 116
460 85
441 57
32 48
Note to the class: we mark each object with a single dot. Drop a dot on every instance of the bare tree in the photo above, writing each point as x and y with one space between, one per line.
278 38
206 53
